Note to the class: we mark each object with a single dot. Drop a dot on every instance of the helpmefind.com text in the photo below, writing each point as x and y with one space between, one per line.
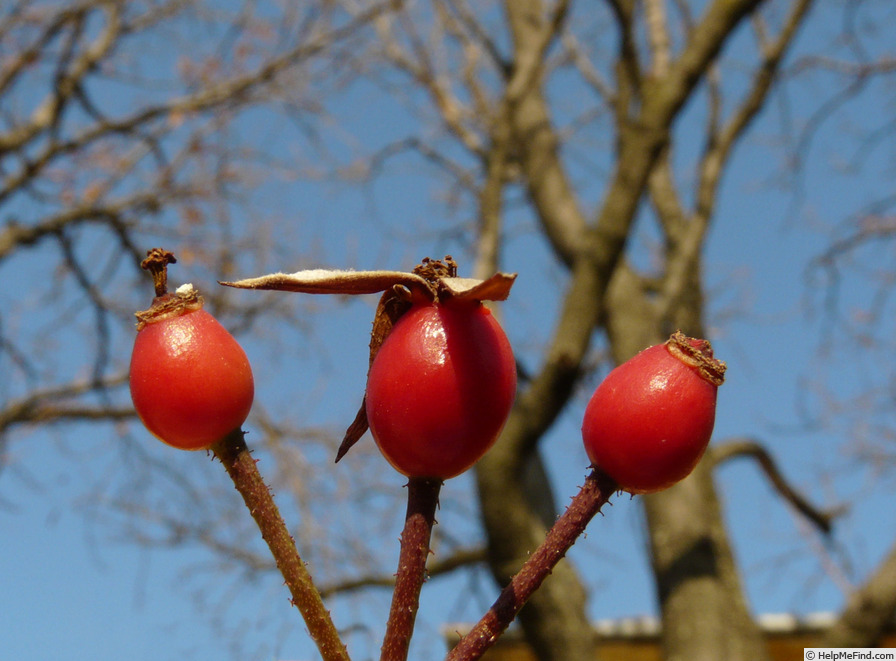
847 653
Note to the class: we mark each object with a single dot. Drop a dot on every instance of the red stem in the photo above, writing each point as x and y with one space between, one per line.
594 493
233 453
423 498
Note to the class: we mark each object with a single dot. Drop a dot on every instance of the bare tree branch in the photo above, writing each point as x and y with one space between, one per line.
753 449
60 404
526 110
658 31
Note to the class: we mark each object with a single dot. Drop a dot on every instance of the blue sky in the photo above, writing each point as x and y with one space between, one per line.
73 588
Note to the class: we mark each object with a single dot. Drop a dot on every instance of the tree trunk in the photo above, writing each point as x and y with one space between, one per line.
704 612
869 610
705 615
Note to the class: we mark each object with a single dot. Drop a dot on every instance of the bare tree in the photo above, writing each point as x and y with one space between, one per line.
108 140
850 282
640 92
128 123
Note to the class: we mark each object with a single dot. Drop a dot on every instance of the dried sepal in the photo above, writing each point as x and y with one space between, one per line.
392 305
495 288
697 353
167 306
431 280
355 430
336 281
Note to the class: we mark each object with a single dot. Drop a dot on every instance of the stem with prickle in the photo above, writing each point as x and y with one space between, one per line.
423 498
594 493
234 454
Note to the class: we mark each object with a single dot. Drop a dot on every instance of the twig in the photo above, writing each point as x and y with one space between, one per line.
423 498
747 447
234 454
594 493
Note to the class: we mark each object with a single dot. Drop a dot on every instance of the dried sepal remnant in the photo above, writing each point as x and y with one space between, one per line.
391 306
495 288
432 280
697 353
355 431
168 306
336 281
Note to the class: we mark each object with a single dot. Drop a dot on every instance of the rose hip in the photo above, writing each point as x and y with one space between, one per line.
191 382
649 422
440 388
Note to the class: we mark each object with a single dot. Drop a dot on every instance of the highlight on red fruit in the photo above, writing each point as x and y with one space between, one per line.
440 388
649 422
190 380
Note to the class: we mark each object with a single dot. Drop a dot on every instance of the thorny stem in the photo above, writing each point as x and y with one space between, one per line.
423 498
234 454
156 262
594 493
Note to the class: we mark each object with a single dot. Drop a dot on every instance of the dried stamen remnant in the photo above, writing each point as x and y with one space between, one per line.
434 270
165 305
156 262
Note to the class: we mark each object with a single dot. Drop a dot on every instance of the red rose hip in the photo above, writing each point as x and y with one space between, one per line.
649 422
191 382
440 388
